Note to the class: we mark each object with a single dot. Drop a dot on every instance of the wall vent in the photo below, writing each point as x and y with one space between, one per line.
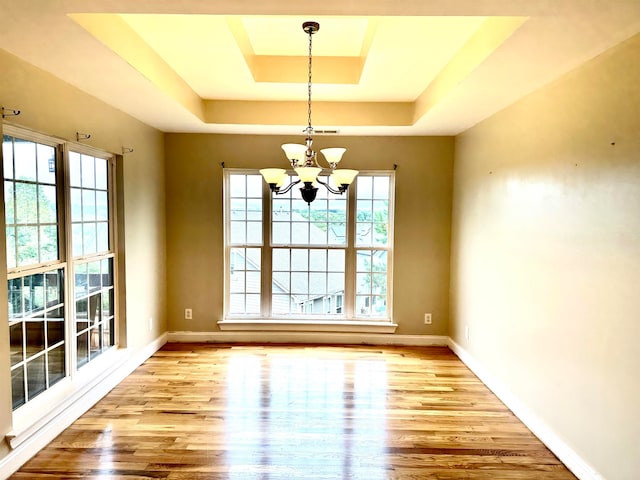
326 132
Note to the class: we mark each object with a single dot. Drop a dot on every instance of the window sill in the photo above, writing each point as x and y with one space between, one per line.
306 325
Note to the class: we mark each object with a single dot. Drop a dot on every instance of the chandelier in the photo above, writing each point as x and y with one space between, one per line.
304 160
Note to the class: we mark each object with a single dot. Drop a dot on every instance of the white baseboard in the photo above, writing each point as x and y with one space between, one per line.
557 445
341 338
27 443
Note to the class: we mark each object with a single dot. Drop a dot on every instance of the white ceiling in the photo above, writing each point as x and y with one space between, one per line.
380 67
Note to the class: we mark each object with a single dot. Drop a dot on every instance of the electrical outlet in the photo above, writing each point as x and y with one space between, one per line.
427 319
466 332
188 314
150 323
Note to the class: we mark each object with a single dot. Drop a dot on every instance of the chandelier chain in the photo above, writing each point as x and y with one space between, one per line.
309 127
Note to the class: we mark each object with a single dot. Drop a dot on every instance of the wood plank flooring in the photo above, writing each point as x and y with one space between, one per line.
195 412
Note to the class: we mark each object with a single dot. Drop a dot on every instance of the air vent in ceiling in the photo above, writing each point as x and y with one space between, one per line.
330 132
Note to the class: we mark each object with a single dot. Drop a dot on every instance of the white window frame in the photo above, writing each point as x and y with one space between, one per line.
24 415
110 254
350 321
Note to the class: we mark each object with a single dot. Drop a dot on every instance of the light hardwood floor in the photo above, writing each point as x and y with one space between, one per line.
196 412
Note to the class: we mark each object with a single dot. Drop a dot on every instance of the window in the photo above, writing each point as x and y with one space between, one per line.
89 204
37 334
36 298
30 202
372 245
327 260
245 236
94 315
92 257
38 263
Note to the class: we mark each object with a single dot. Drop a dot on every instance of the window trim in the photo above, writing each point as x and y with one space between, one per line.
350 322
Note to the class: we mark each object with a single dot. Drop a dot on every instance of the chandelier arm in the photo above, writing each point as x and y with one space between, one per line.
314 159
329 187
287 188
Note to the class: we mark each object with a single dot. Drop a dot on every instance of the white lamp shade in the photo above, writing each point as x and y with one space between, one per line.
273 175
280 182
333 155
308 174
294 151
343 176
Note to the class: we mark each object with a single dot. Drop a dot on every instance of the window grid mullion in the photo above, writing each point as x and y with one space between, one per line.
349 300
69 293
266 256
15 223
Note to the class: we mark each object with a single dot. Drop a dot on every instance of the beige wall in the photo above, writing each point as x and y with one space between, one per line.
195 228
55 108
546 255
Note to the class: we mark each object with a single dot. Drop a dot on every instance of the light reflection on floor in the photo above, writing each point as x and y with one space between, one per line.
305 417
